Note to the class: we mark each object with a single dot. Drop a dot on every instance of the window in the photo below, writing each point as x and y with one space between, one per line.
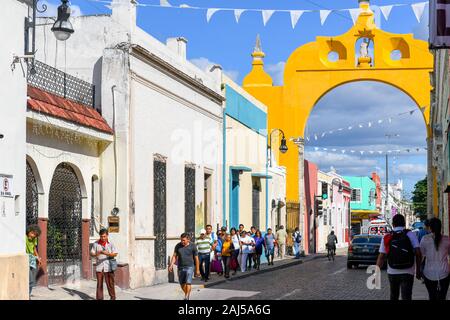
356 195
325 217
329 216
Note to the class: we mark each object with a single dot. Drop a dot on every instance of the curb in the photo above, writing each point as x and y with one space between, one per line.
245 275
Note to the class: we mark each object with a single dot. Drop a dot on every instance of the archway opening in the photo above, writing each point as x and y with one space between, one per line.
32 197
353 131
64 239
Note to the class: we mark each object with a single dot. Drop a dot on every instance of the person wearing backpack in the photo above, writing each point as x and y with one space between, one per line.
402 251
297 238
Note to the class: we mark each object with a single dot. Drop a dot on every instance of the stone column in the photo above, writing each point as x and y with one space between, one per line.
300 143
42 277
85 257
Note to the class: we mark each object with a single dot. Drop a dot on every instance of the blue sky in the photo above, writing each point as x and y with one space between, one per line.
225 42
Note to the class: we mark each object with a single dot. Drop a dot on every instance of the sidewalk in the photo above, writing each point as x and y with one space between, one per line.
288 261
86 289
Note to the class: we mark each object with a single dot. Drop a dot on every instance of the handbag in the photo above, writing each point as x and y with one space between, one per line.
113 264
234 263
216 266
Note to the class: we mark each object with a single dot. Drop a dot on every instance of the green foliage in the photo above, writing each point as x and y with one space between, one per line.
419 198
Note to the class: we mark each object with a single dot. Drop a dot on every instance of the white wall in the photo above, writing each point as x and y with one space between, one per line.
12 126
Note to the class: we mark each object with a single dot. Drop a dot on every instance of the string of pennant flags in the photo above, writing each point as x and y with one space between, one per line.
414 150
295 14
369 124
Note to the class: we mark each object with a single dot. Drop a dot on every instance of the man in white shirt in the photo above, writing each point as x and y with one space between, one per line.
402 250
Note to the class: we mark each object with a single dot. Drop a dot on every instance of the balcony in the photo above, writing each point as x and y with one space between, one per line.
59 83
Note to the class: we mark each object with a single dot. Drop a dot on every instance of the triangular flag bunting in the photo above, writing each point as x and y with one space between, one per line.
323 134
210 13
295 16
266 14
354 13
237 14
418 9
386 11
324 15
164 3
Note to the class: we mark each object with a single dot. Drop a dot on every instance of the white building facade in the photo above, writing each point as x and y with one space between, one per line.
162 168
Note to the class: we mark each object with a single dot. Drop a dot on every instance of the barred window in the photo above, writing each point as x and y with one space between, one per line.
356 195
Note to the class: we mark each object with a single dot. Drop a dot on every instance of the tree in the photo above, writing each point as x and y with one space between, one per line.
419 198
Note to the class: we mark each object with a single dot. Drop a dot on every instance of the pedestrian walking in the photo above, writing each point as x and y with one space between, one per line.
212 236
259 243
227 249
269 244
401 248
105 253
185 256
245 245
251 250
241 228
424 231
297 238
32 234
281 241
252 231
218 250
204 253
435 249
234 264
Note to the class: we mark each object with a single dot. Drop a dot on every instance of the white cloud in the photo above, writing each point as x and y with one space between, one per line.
205 64
276 71
411 169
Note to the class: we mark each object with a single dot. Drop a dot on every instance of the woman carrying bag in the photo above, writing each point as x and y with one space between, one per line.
435 248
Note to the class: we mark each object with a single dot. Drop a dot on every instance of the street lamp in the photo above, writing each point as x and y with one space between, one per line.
283 146
386 201
62 28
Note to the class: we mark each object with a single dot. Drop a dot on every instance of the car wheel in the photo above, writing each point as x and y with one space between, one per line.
349 265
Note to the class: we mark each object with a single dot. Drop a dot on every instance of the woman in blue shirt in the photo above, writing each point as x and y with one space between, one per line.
259 242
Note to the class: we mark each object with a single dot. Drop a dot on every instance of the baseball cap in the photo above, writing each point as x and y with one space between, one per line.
202 231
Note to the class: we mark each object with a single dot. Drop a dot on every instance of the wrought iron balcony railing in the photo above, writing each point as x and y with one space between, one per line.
61 84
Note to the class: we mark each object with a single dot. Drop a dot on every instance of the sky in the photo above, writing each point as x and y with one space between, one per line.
225 42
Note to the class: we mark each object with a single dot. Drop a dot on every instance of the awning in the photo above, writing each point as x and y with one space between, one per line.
261 175
241 168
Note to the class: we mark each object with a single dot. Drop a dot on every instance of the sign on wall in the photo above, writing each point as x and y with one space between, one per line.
6 187
439 24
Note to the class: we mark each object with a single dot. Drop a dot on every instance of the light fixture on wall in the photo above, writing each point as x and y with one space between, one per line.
283 146
62 28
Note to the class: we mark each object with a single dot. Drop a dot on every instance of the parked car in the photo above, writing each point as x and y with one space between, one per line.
363 249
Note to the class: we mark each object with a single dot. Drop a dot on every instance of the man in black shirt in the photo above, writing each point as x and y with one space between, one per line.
186 256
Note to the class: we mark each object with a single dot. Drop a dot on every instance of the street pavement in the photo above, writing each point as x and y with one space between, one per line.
314 279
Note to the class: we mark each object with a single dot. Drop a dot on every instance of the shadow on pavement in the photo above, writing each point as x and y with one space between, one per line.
82 295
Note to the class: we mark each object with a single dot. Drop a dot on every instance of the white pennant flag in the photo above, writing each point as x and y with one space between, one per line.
350 128
266 14
325 149
343 151
418 9
210 13
307 138
334 150
352 151
362 152
386 11
323 134
371 151
164 3
354 13
360 125
237 14
316 148
370 124
295 16
315 137
380 152
324 15
380 121
184 5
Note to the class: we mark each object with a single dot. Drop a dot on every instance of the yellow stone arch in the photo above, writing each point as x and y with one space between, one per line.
309 75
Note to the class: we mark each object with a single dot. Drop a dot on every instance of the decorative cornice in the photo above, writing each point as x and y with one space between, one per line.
165 67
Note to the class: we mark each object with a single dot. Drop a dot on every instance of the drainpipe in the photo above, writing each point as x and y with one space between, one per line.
224 166
267 184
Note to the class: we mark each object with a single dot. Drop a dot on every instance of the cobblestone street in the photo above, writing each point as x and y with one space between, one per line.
318 279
